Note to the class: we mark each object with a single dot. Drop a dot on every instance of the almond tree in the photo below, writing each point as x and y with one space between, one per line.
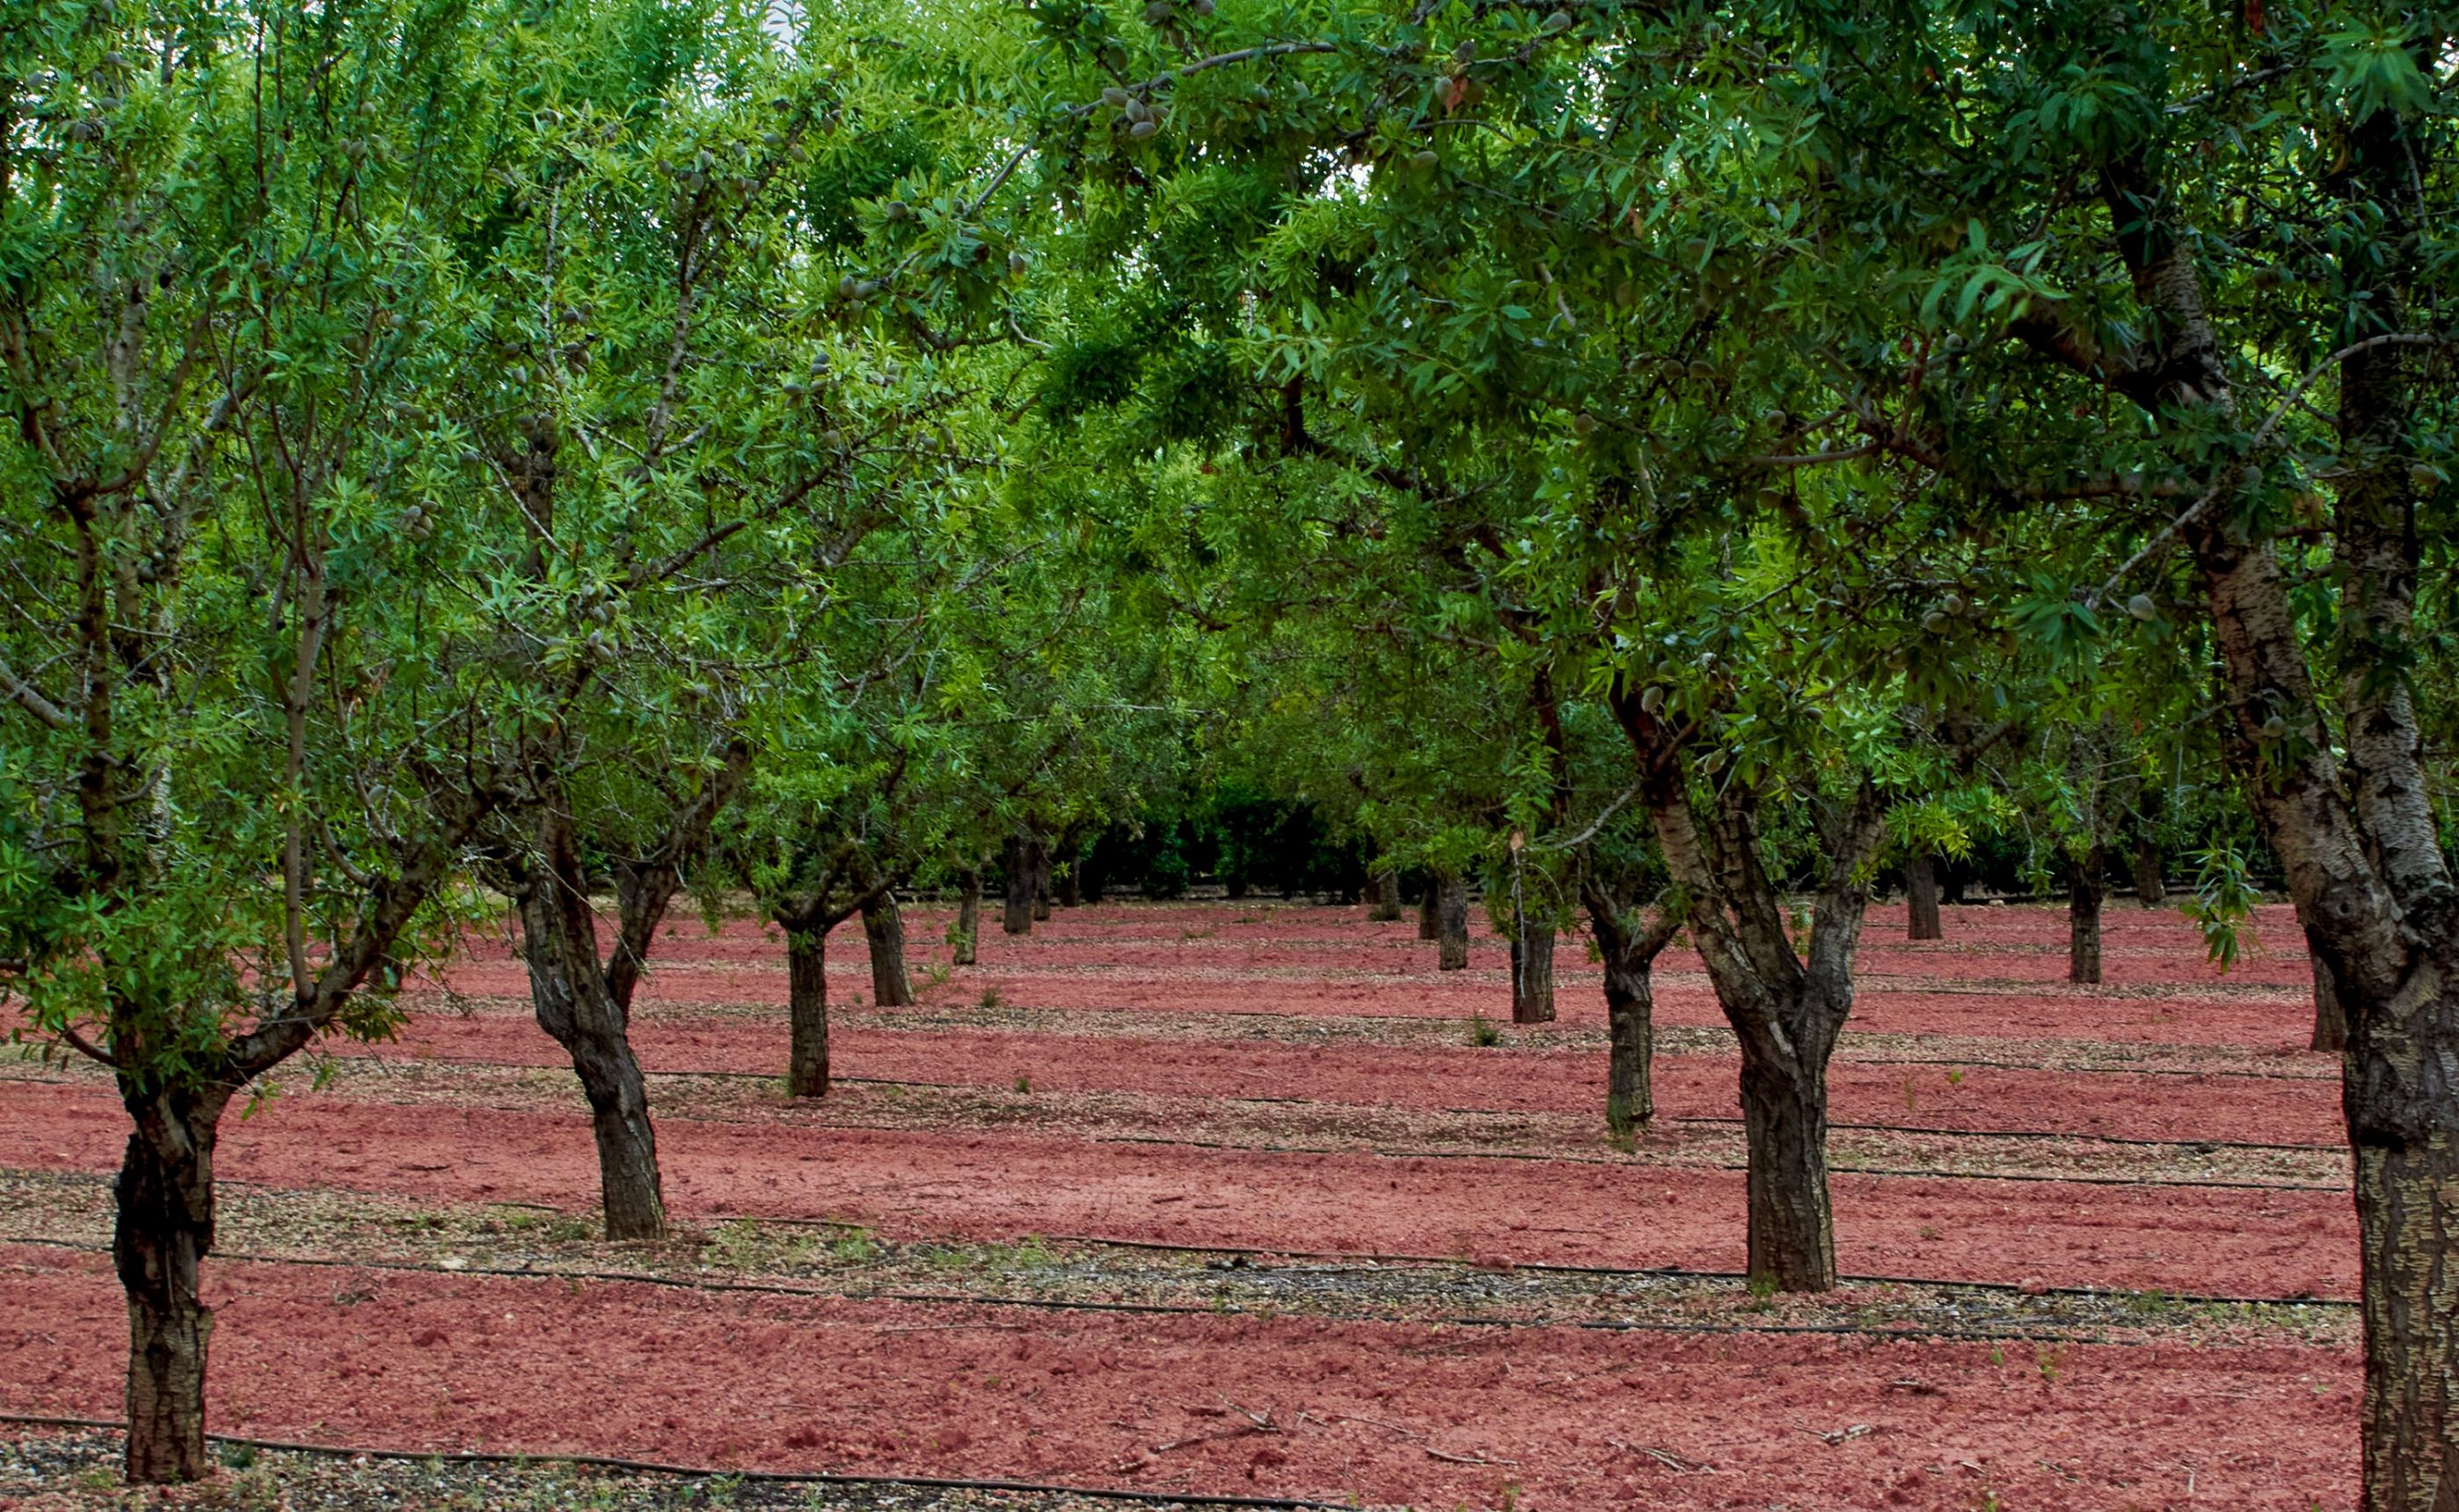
243 752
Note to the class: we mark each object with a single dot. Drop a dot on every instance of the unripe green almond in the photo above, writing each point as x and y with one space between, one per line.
1934 621
1426 160
1584 424
1653 699
2141 607
1144 129
2423 478
1558 21
2275 728
1017 262
1952 603
1114 97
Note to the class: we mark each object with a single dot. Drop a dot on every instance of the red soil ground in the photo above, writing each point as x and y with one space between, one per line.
1519 1079
430 1361
436 1361
987 1185
2000 973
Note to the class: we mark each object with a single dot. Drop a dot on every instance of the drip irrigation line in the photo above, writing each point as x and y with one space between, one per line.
1718 1118
710 1472
1552 1268
1907 1330
1542 1158
1674 1272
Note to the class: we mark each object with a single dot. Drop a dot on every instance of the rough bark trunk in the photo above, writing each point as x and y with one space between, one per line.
1018 918
2151 890
570 996
2082 916
1532 972
1387 898
2407 1228
1039 857
2330 1017
969 921
1071 886
883 929
1921 897
1453 910
1630 1058
807 1011
163 1230
1792 1238
1629 948
1429 912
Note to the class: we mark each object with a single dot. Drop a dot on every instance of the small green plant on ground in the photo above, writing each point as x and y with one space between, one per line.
1482 1034
990 997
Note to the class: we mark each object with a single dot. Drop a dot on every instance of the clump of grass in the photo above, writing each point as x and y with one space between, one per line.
1482 1034
854 1246
1621 1132
1023 1084
990 997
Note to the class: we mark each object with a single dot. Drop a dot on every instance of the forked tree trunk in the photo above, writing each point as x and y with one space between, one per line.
2082 916
1532 972
1630 951
1452 953
2330 1017
2151 890
1921 897
1429 912
1792 1239
1018 918
883 929
969 921
806 1010
568 992
163 1230
1387 898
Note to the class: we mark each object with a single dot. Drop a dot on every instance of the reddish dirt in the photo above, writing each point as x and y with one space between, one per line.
1496 1079
430 1361
997 1185
2000 974
438 1361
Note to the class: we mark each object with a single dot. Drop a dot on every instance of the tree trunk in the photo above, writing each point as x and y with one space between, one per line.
1631 1059
570 996
883 929
1452 952
1629 950
807 1011
1071 886
969 921
1429 912
1018 919
2150 890
2330 1019
1038 855
1532 972
1921 897
1387 898
163 1230
2082 916
2404 1124
1784 1119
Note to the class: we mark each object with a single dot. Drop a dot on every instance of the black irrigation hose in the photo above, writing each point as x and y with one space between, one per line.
1575 1160
1902 1332
1562 1268
707 1473
1651 1272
